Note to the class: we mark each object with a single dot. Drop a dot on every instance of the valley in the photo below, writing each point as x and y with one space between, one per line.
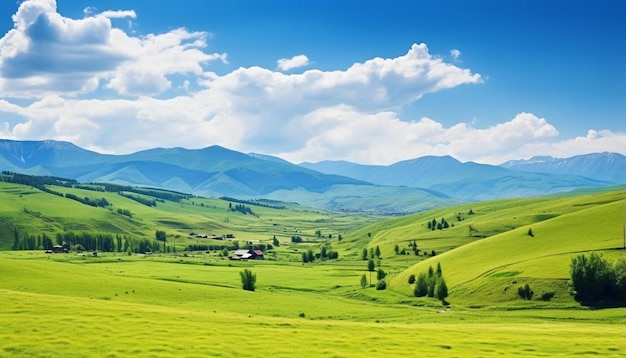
176 300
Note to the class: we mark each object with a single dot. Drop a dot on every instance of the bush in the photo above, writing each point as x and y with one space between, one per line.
381 285
547 296
411 279
525 292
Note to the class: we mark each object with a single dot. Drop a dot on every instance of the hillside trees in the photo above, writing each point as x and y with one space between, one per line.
595 280
431 284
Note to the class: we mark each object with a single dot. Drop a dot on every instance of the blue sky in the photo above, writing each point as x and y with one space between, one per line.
365 81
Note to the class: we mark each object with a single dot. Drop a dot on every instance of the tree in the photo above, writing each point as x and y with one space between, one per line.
594 279
377 252
396 249
339 237
530 232
421 285
248 280
381 285
161 236
370 267
439 271
380 274
310 255
275 241
363 281
364 254
441 291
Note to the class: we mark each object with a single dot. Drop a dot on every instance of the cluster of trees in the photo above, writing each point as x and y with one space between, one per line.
296 239
260 203
595 280
380 275
326 253
139 199
434 225
159 194
124 212
371 253
431 284
102 202
240 208
35 181
88 241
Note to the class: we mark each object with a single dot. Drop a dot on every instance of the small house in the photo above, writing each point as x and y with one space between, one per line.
245 254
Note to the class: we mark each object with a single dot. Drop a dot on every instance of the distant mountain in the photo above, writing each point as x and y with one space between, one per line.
406 186
211 171
610 167
467 181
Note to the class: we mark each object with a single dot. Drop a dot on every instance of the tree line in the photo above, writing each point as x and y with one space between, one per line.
88 241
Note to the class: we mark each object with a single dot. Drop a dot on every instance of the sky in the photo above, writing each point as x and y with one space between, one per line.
372 82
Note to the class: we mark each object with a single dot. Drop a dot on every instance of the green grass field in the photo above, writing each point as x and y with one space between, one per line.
191 304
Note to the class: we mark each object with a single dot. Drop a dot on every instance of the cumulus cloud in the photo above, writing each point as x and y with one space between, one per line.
286 64
47 53
350 114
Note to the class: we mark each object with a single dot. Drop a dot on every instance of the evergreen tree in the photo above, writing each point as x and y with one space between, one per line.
421 285
248 280
363 281
441 291
364 254
377 253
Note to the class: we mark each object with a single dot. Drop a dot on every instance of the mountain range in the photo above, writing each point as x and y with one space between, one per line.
406 186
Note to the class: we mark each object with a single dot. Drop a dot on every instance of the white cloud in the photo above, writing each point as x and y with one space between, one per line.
349 114
286 64
47 53
456 54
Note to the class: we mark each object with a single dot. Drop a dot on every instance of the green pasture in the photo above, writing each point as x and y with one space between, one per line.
115 306
191 304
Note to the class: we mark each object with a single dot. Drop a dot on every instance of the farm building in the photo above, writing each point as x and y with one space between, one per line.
246 254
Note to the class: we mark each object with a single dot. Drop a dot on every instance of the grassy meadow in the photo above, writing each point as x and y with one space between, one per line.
191 304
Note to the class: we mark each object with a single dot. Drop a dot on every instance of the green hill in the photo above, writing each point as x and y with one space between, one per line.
26 210
490 253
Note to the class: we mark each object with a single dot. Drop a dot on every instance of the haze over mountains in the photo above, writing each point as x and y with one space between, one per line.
410 185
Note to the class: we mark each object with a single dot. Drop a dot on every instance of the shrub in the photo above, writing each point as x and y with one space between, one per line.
525 292
411 279
547 296
381 285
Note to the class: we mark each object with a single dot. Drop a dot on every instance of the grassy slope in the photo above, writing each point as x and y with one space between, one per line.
35 212
490 270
